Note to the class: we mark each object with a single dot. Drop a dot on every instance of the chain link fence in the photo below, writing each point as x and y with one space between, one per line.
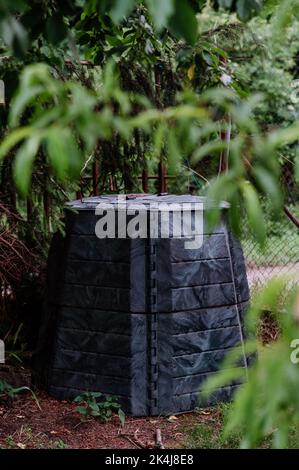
280 254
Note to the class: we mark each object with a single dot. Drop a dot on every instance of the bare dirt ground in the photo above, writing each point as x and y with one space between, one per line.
58 425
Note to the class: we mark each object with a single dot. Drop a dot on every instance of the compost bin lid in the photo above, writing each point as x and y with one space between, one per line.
90 203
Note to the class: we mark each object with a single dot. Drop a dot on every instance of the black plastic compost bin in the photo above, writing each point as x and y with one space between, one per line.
143 319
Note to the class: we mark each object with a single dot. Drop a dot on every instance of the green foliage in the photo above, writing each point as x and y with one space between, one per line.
63 121
23 22
160 11
183 22
208 433
7 391
267 404
60 444
159 94
255 215
27 438
99 406
65 125
270 67
245 9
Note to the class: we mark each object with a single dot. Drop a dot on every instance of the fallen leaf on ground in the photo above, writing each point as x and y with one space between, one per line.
22 446
172 418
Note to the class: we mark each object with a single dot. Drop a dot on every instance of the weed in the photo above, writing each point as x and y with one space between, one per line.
9 392
60 444
25 438
98 405
10 442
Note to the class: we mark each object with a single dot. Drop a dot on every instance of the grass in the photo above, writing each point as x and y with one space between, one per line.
208 433
26 438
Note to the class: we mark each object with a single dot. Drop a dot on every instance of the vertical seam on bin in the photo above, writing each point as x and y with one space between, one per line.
57 315
153 349
236 298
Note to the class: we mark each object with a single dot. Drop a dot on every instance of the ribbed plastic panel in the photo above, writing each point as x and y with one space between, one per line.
145 320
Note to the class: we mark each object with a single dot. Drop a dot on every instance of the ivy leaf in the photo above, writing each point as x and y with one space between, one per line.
160 11
24 162
183 22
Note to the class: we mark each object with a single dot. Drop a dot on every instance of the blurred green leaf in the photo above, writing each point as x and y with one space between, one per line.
173 151
225 378
283 17
284 136
160 11
21 101
247 8
267 299
58 150
220 189
12 139
56 28
234 214
209 148
254 211
269 185
183 22
225 3
121 8
14 35
23 163
296 164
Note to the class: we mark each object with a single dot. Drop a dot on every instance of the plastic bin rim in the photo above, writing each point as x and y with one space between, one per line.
90 203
